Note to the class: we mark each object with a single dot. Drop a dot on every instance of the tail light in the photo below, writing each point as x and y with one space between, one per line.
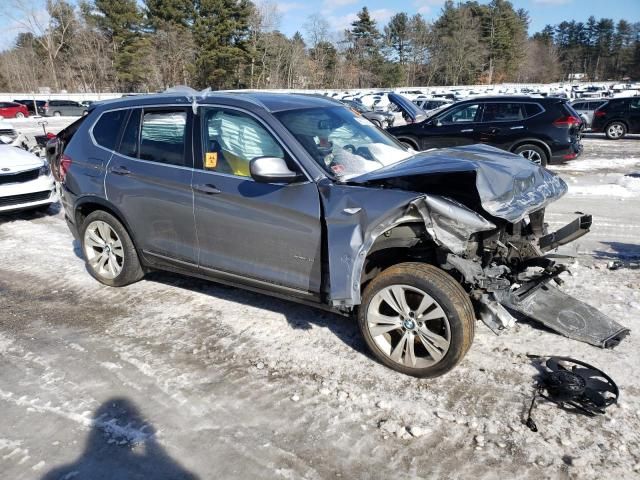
599 113
567 121
65 165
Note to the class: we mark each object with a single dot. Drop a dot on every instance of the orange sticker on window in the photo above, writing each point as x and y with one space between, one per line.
211 160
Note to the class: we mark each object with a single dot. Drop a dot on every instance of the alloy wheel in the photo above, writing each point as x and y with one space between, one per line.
532 156
409 326
615 131
103 249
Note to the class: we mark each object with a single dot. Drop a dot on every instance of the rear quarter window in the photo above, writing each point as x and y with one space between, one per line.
532 109
107 128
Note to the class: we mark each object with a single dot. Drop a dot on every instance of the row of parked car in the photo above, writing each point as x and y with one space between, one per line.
44 108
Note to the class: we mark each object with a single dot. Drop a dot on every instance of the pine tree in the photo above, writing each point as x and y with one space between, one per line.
221 32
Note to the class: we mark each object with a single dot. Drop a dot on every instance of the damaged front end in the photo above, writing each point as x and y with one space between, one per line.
480 216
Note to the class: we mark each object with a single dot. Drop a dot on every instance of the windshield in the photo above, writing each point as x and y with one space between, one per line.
343 143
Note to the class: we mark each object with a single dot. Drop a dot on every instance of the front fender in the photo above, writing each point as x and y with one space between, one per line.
356 216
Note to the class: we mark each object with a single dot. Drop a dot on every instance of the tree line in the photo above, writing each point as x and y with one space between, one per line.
128 45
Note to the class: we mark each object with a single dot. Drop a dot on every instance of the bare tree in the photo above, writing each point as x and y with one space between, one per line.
48 21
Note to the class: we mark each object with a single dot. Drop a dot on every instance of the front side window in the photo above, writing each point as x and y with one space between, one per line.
341 142
107 128
462 114
232 139
503 112
162 136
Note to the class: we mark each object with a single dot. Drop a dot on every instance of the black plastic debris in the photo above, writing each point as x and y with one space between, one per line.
574 386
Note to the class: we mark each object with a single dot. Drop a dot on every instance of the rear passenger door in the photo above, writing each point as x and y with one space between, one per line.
504 123
149 181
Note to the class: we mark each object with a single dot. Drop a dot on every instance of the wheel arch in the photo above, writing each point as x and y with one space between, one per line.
533 141
89 204
410 140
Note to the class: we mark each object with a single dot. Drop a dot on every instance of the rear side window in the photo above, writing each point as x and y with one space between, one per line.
532 109
129 143
503 112
579 106
162 136
107 128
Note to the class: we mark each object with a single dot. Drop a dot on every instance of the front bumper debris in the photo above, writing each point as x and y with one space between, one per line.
566 315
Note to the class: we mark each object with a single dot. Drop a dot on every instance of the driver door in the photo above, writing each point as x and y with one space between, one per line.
260 232
454 128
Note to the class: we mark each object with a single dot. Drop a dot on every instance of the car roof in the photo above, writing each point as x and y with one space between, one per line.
273 102
508 98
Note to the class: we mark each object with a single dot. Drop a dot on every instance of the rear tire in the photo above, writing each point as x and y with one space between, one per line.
109 253
428 329
615 130
19 115
56 114
533 153
410 144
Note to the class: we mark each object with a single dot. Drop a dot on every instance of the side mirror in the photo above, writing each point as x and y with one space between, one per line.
271 170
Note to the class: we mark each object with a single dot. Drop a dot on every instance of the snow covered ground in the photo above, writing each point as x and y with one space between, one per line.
181 378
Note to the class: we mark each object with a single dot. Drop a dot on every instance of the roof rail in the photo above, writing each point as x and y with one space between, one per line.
194 95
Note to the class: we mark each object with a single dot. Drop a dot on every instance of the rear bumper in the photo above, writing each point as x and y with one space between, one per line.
572 152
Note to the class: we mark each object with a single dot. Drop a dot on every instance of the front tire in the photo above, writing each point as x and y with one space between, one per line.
615 130
109 253
533 153
416 319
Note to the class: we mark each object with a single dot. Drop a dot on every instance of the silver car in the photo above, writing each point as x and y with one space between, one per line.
64 108
586 108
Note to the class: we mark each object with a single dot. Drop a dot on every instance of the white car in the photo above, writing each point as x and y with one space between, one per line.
25 180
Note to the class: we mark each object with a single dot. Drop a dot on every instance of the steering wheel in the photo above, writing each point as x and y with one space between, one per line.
349 148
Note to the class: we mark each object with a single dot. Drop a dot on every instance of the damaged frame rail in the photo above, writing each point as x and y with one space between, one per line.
539 300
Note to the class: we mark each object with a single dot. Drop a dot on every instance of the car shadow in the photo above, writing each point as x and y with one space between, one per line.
601 136
621 251
298 317
32 213
121 444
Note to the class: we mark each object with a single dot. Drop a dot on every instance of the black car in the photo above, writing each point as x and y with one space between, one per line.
542 130
379 119
39 105
617 117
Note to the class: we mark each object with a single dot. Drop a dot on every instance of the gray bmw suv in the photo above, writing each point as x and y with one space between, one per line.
298 197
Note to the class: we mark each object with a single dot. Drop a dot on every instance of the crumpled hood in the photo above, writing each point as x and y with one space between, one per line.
509 187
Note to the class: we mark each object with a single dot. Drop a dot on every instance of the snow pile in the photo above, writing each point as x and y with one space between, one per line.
585 165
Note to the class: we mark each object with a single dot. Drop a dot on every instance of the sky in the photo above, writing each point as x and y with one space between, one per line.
340 13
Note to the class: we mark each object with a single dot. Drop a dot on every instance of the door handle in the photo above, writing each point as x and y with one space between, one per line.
493 131
519 127
206 188
120 170
466 130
